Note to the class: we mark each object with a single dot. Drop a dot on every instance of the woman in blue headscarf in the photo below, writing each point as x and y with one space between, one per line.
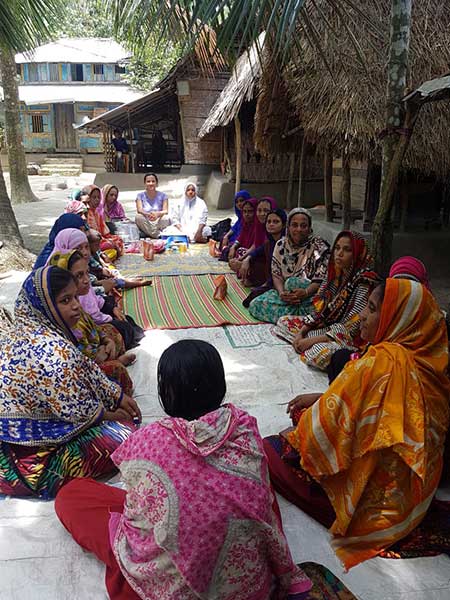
232 235
59 413
66 221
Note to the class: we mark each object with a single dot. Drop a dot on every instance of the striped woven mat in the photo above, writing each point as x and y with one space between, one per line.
187 301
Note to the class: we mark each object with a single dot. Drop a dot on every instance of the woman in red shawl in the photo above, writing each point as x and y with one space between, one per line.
252 234
334 322
91 196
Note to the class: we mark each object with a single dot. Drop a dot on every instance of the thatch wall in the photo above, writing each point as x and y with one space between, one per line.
345 105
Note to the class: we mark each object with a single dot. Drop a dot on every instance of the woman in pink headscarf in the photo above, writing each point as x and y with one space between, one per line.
197 519
408 267
252 235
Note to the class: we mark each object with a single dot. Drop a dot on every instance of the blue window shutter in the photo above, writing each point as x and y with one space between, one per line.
25 72
87 72
65 72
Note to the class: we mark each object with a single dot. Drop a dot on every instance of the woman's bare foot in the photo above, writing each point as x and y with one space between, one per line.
127 359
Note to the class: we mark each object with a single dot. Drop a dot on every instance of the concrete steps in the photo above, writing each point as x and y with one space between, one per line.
62 165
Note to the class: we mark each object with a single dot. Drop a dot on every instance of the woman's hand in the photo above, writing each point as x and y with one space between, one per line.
117 415
245 267
101 355
302 344
118 314
302 401
110 348
298 295
286 297
108 285
130 405
152 216
107 273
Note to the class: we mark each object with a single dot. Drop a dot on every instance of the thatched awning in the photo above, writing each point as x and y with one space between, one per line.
343 106
240 88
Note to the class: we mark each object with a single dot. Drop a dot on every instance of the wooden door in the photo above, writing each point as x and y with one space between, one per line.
65 133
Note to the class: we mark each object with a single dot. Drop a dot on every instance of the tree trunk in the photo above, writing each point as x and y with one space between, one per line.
301 174
20 186
328 184
395 142
290 180
9 230
238 147
346 191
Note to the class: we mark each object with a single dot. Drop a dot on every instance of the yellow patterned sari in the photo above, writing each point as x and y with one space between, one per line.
374 440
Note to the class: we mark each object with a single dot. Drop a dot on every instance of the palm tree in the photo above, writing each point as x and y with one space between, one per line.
237 23
23 25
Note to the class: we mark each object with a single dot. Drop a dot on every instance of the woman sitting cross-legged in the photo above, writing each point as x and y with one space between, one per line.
251 236
299 265
196 519
101 343
365 457
57 408
334 322
102 309
260 259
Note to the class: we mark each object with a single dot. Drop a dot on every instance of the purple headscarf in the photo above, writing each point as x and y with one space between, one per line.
115 210
68 239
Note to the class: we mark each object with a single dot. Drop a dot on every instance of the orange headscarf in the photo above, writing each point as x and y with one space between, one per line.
374 440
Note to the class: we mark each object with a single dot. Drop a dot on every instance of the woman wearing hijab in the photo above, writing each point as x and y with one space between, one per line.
66 221
110 208
57 408
111 244
103 344
230 237
299 265
333 323
255 268
191 215
197 518
365 457
257 236
408 267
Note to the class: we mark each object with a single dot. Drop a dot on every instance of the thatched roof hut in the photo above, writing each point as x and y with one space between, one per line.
344 105
240 88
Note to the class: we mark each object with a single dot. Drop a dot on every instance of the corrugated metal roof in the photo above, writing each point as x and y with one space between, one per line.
76 50
69 92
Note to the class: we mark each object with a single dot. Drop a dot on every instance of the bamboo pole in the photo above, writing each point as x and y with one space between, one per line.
328 184
346 191
301 174
290 180
130 134
238 147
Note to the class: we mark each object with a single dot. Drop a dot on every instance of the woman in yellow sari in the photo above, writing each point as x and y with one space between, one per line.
374 440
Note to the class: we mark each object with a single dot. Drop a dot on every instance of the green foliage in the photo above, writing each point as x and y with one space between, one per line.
145 70
91 18
24 24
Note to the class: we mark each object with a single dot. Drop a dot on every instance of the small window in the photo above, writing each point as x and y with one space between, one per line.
99 73
37 123
76 72
53 72
119 70
19 70
33 73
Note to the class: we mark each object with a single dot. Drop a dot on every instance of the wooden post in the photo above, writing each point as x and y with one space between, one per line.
346 191
238 148
290 180
133 168
301 173
328 184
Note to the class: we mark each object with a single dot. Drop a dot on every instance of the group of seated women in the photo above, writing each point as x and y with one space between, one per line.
199 517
